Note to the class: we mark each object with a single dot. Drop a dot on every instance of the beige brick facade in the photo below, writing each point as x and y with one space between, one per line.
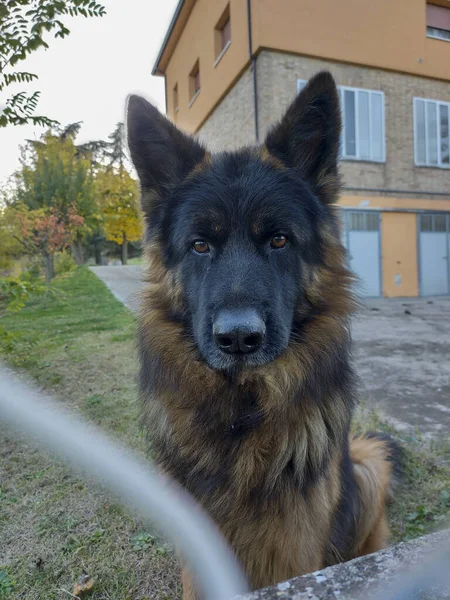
231 124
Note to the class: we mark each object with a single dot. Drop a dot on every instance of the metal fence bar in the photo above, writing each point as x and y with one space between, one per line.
145 490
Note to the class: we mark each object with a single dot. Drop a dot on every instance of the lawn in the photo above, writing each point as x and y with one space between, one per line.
79 344
54 526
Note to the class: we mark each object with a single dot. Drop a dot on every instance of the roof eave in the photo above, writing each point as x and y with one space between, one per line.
156 70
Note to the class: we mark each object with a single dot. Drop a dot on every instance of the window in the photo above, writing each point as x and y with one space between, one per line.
362 135
176 105
433 223
431 133
438 22
364 221
194 82
222 34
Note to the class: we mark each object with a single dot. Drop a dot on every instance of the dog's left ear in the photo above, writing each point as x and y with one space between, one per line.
308 136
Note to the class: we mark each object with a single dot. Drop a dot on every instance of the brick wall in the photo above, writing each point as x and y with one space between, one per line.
277 86
231 124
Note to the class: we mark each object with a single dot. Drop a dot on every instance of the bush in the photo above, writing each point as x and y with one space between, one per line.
15 292
64 263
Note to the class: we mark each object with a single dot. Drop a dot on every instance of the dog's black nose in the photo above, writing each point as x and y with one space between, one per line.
239 331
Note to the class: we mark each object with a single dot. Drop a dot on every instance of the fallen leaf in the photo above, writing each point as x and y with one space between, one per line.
84 584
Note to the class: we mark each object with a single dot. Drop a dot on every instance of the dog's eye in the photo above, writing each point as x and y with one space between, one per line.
200 246
278 241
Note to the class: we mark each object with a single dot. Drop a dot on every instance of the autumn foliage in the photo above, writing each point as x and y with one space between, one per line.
119 199
65 195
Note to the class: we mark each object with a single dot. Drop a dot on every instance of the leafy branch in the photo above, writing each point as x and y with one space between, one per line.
23 26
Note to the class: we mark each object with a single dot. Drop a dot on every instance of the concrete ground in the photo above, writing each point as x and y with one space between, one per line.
402 353
123 282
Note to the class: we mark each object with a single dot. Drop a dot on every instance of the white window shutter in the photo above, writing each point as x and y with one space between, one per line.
420 131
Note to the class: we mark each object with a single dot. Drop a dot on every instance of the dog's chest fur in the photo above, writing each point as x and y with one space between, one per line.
267 473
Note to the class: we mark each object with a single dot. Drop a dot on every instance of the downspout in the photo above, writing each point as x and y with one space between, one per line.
253 60
165 92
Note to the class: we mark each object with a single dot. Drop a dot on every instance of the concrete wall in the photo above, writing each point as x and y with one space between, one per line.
414 569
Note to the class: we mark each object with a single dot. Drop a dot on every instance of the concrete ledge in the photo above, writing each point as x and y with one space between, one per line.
376 575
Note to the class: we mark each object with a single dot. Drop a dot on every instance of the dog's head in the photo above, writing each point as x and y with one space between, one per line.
242 231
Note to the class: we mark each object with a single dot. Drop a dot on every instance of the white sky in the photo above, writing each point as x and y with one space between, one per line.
87 76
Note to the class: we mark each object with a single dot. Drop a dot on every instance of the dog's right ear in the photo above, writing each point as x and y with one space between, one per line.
161 153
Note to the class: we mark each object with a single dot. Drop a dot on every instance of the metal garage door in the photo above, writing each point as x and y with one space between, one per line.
434 234
364 249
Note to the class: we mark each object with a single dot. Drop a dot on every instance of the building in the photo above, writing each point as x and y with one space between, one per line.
232 66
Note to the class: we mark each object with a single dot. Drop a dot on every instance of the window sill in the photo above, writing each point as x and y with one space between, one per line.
436 37
440 167
216 62
194 98
362 160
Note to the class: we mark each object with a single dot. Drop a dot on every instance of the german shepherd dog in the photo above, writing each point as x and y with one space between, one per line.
245 376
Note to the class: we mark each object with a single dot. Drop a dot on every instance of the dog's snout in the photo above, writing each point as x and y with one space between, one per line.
240 331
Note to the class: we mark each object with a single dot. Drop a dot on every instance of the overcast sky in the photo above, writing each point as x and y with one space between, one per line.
87 76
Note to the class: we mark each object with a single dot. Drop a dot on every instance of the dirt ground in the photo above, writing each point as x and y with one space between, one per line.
402 352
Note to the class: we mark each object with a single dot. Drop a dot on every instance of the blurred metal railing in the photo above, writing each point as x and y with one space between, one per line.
159 500
142 488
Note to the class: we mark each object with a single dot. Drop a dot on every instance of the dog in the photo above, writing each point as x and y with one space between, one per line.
245 351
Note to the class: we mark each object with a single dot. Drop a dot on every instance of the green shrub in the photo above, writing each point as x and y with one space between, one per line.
64 263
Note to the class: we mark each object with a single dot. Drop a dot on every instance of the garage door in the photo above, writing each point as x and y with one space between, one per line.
434 234
364 249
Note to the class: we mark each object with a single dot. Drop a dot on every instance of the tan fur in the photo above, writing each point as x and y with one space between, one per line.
267 157
373 472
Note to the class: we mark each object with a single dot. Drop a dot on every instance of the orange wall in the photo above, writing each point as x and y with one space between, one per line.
398 238
197 42
383 33
390 34
399 254
368 202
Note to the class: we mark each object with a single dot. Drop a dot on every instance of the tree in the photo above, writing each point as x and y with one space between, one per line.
23 25
58 179
58 174
119 195
116 151
10 245
43 232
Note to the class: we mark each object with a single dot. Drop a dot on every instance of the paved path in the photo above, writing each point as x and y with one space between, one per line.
123 282
403 359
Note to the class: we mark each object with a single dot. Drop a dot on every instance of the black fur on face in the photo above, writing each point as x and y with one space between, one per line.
241 230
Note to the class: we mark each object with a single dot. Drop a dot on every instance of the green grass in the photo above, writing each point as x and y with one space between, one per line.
137 260
54 526
422 499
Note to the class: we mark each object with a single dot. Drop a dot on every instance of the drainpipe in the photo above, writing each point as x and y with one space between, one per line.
165 93
253 60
